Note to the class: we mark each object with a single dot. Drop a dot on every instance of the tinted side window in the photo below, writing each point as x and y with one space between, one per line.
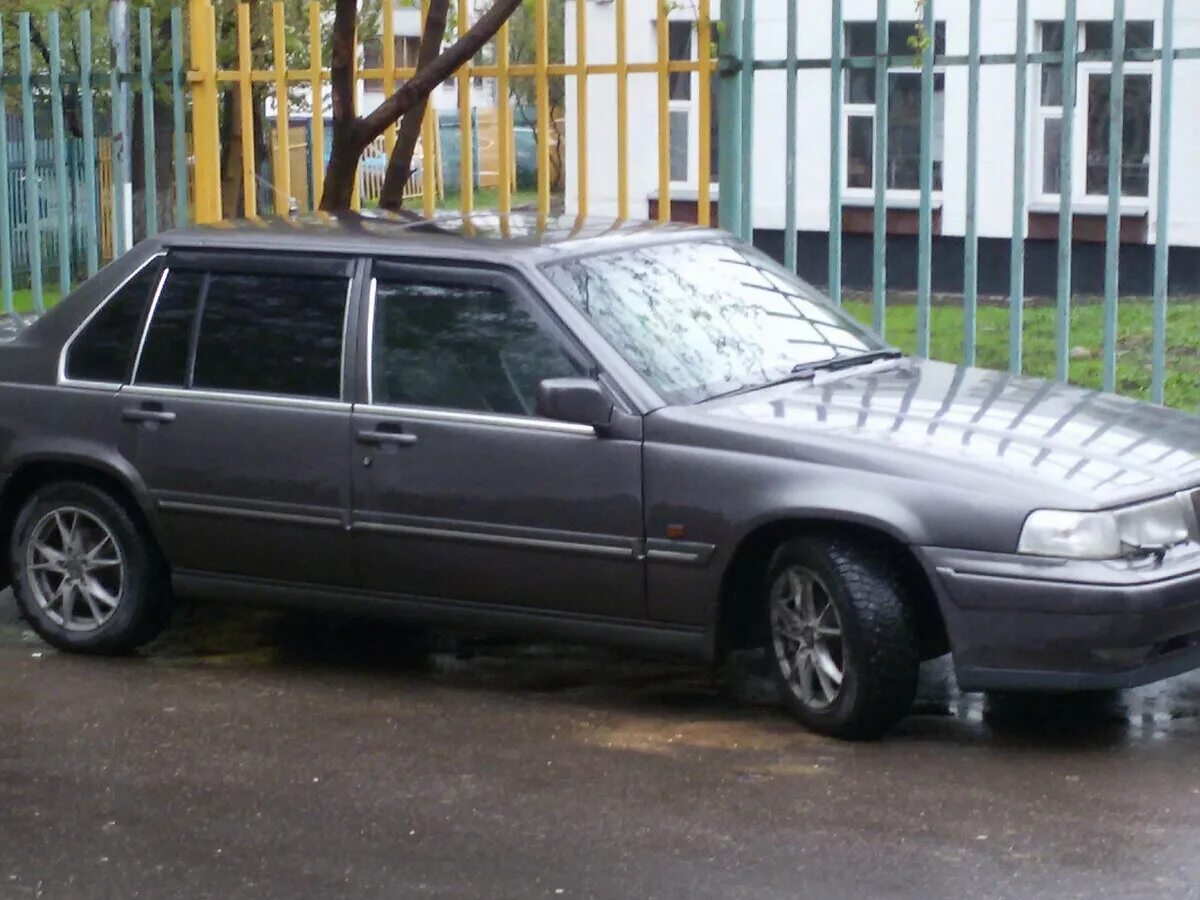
104 350
460 347
273 334
164 360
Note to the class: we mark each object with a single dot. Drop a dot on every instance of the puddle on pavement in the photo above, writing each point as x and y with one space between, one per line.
647 705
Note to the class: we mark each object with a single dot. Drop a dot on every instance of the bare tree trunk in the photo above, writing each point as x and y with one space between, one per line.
351 134
399 169
348 144
232 191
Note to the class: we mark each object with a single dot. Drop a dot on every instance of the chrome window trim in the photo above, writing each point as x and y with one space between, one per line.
506 540
371 295
137 360
281 400
492 420
62 378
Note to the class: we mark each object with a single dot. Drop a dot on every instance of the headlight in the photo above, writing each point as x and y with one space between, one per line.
1105 535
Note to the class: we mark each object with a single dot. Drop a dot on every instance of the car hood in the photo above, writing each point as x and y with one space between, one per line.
1101 448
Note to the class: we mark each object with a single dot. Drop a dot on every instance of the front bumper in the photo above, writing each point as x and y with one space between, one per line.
1026 623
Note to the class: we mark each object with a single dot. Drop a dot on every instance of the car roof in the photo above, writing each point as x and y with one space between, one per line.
483 236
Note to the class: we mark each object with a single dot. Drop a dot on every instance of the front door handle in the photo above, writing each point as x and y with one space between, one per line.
148 413
377 437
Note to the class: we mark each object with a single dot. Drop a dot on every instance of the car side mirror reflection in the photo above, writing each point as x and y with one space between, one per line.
581 401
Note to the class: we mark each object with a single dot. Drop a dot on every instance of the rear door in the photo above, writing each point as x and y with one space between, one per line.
237 417
461 492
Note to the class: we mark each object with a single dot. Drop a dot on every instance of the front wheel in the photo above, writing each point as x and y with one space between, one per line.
86 576
842 648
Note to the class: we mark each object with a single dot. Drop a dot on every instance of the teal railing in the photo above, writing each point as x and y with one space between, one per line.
739 66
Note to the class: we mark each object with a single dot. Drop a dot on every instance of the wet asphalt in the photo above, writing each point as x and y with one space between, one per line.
269 755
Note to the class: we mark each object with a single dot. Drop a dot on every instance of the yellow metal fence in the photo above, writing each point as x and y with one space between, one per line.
207 82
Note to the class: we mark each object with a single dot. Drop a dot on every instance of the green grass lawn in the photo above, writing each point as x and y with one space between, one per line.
1134 336
23 298
488 199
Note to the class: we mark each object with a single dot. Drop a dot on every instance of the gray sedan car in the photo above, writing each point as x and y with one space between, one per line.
647 435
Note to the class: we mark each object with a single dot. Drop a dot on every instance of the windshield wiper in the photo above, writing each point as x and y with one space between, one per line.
808 370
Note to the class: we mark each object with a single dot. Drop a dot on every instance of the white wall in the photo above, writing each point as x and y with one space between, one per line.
997 93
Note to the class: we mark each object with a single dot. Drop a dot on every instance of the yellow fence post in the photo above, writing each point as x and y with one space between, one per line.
283 158
245 71
664 119
541 44
581 96
316 79
466 146
622 117
503 124
205 111
703 177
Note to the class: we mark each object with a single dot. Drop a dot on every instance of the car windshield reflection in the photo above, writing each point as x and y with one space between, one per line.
701 319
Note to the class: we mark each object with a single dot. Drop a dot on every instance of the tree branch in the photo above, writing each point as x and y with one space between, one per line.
428 78
399 168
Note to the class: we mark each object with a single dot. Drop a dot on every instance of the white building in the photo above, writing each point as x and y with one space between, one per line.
996 130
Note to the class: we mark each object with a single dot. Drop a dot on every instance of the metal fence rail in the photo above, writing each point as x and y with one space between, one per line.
51 204
739 67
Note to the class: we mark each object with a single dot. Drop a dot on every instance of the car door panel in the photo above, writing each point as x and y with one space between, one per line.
492 505
244 482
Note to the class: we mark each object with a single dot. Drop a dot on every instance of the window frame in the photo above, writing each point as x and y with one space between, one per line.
244 262
62 379
1084 70
457 272
902 196
690 106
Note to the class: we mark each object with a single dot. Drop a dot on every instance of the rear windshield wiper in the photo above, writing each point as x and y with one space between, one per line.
808 370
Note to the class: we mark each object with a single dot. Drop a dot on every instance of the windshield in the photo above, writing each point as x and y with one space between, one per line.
700 319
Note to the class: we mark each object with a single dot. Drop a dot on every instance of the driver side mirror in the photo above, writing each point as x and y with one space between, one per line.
581 401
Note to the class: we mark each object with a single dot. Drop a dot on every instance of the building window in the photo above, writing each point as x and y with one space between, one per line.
1091 121
372 57
684 109
904 110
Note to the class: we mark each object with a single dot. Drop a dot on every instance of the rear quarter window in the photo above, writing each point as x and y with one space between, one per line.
103 350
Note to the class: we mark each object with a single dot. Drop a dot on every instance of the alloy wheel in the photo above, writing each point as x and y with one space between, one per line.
806 633
75 568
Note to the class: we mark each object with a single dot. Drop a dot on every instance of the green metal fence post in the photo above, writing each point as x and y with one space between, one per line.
33 210
6 236
149 151
120 128
1016 291
746 155
1162 246
925 219
729 110
88 114
837 40
789 207
971 239
879 261
60 156
1112 238
1062 325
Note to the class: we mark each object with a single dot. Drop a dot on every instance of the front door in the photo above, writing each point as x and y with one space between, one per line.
461 493
236 417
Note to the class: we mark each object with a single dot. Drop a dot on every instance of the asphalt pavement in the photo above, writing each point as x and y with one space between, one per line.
270 755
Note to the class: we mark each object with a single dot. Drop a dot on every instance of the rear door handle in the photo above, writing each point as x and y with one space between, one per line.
380 438
148 412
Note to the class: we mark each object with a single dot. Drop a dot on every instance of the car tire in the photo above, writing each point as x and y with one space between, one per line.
87 576
840 641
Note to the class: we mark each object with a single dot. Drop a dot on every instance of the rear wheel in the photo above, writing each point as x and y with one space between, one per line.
842 648
86 576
